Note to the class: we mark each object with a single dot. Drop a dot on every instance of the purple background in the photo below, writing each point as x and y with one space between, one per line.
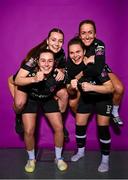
25 23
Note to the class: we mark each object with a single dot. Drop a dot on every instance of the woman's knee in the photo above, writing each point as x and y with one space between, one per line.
20 101
119 88
73 104
58 128
117 84
19 104
63 94
29 132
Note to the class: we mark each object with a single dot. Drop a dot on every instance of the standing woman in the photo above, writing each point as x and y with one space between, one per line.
75 68
41 85
95 97
54 42
96 48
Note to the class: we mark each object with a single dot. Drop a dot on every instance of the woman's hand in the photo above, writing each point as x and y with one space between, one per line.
91 59
73 84
86 87
60 75
39 76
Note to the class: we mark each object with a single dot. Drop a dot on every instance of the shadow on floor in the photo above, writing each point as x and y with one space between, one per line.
13 162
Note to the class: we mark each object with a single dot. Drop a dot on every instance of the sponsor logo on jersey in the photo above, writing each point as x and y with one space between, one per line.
99 50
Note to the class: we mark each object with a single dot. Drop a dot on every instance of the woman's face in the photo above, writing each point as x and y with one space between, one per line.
46 62
87 34
55 42
76 53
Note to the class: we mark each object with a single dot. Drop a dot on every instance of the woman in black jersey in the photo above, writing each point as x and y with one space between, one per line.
75 67
41 85
95 48
53 42
95 97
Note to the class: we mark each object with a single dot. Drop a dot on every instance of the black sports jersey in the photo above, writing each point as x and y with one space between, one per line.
73 69
96 80
97 48
60 61
43 89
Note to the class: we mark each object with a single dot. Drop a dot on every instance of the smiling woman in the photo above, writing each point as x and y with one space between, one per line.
53 42
96 49
46 63
40 85
92 94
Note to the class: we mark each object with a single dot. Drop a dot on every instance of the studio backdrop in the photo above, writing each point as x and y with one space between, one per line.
26 23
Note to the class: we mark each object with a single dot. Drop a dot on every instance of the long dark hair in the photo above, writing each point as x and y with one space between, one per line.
34 52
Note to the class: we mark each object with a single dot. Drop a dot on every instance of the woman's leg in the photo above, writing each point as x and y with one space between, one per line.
29 121
62 97
20 99
73 102
81 126
117 97
105 141
11 85
55 120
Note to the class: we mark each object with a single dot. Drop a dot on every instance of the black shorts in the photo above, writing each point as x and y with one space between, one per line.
99 104
47 106
25 89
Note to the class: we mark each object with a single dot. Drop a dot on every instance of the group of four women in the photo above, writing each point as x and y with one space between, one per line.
83 81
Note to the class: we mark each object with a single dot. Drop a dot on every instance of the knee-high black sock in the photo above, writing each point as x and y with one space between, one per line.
81 136
105 139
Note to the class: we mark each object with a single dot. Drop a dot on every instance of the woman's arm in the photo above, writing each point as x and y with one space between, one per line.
88 60
78 76
106 88
22 78
72 87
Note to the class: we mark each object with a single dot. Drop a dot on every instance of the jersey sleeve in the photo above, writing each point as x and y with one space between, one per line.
96 68
60 59
108 69
103 77
99 56
69 71
30 64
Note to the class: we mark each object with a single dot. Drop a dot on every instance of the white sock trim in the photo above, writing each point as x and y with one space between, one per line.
105 141
81 150
31 154
84 136
58 152
115 110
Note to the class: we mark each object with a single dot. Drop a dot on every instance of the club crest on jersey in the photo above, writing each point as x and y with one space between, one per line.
104 73
52 88
99 50
31 62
